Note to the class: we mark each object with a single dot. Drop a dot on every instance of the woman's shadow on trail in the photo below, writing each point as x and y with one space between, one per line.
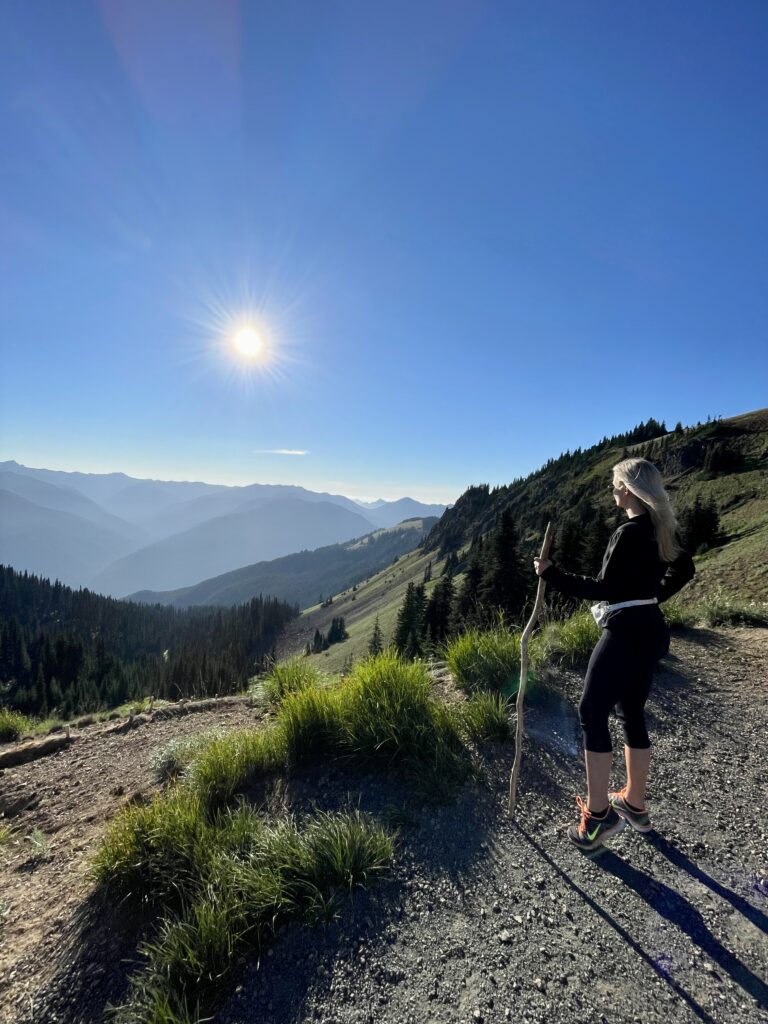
675 908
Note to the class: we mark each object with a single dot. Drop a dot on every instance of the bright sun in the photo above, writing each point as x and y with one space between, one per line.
248 343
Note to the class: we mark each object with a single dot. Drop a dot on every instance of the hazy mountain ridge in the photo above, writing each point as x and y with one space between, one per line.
66 499
128 516
304 576
54 543
225 543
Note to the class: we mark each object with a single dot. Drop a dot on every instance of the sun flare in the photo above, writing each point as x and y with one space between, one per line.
248 343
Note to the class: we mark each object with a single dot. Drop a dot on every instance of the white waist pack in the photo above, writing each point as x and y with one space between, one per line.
602 609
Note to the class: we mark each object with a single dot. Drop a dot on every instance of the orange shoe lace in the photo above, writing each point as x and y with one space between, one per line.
584 814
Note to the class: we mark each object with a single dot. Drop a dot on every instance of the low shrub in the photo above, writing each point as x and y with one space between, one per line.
486 659
13 725
40 843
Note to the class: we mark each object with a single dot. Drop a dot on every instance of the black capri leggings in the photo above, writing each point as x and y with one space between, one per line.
619 673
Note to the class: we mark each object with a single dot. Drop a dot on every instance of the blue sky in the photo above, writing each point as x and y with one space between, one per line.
473 235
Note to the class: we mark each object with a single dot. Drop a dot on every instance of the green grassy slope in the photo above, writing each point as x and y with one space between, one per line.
381 595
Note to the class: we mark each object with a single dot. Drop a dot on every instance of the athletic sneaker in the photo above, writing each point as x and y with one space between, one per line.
591 831
639 820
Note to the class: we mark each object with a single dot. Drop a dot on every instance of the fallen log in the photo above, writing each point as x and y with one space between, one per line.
34 749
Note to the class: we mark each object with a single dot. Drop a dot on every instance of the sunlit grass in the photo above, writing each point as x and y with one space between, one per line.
568 642
13 725
723 609
484 716
291 676
486 659
172 759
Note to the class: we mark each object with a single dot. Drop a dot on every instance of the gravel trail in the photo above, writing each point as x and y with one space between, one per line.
485 919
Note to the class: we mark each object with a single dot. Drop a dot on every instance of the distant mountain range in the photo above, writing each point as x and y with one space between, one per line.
116 534
304 578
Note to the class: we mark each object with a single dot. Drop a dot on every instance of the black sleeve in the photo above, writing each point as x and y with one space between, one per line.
680 572
618 556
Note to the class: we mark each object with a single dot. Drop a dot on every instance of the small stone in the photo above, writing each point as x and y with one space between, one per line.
505 936
539 984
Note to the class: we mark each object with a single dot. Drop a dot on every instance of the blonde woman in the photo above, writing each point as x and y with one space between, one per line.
642 566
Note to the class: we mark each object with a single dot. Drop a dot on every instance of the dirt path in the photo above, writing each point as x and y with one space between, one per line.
482 919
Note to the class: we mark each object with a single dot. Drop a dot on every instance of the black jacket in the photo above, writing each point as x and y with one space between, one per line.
631 569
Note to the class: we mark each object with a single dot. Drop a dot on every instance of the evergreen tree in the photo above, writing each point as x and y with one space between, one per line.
409 628
451 565
466 610
337 631
504 583
700 525
437 614
595 540
569 545
376 643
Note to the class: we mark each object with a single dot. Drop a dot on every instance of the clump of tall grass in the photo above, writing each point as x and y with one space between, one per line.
155 850
382 712
386 710
171 760
246 878
291 676
568 642
13 725
229 764
484 716
722 609
486 659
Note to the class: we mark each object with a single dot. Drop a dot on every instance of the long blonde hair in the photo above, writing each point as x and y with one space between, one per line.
643 479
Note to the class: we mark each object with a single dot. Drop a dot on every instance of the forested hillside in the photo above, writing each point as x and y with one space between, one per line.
69 651
715 472
476 561
710 469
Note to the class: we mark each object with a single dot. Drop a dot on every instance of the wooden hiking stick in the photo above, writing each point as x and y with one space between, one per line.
524 674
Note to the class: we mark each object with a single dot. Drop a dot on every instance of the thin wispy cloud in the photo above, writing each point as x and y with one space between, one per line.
279 451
